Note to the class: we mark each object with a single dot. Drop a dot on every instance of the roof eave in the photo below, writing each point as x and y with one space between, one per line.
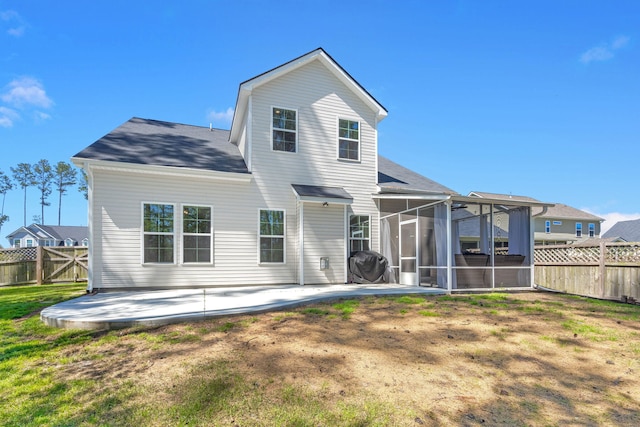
161 170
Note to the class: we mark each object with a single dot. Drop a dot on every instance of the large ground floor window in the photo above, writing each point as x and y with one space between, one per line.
271 236
158 232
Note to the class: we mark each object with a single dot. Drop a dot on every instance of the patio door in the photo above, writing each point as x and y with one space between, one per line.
409 252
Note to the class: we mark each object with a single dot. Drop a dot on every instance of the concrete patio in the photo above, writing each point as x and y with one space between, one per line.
111 310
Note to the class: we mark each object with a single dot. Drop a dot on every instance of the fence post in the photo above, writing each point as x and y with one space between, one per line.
39 264
603 268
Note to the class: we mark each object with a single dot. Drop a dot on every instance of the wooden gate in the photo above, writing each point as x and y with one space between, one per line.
61 264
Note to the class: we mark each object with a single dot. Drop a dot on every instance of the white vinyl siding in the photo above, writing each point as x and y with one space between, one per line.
324 236
318 98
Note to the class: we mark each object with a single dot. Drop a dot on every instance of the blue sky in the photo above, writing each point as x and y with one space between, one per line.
535 98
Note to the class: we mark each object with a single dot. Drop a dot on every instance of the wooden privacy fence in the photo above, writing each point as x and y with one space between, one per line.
605 270
43 264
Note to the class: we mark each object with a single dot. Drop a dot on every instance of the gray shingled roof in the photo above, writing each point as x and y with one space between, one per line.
503 196
628 230
393 178
153 142
559 210
158 143
62 232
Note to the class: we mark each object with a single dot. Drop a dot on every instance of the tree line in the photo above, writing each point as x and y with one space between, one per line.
46 178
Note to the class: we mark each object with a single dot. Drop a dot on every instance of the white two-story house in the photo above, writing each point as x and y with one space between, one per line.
285 196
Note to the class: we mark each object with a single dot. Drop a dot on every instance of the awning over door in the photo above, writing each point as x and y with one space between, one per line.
322 194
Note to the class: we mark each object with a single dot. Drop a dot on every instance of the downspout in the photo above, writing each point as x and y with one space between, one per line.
92 240
449 247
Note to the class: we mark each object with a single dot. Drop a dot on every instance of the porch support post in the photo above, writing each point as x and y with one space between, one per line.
449 246
347 249
532 243
301 240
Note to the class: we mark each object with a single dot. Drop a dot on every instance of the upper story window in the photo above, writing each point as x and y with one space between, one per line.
578 229
158 233
348 139
284 134
68 242
592 230
196 228
547 226
272 236
29 243
16 243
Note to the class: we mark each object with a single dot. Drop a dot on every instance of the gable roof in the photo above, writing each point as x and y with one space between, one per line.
557 210
154 142
627 230
486 195
318 54
560 210
57 232
394 178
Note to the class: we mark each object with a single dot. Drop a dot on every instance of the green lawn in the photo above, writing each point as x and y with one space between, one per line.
55 377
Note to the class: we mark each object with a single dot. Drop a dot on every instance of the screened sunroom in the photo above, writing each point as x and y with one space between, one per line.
457 242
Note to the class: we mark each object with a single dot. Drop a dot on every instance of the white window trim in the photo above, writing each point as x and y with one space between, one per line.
286 130
359 140
182 234
174 234
547 226
284 237
579 229
591 229
357 238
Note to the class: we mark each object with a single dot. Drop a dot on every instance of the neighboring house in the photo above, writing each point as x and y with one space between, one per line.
285 196
558 224
49 235
625 231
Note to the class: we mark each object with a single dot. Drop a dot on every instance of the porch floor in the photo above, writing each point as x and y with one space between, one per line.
111 310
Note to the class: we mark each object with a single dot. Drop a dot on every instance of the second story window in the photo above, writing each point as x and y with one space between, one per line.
547 226
578 229
348 139
284 134
592 230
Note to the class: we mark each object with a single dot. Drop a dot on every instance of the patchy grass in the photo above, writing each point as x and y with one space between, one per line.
486 359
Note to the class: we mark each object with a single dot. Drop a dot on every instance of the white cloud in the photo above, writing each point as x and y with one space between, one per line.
26 91
17 26
7 117
604 51
223 118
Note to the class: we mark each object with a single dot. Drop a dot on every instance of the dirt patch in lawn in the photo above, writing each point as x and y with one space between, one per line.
496 359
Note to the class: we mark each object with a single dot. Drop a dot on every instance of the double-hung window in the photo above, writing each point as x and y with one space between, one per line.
284 130
196 234
359 226
158 233
578 229
348 139
592 230
272 235
547 226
